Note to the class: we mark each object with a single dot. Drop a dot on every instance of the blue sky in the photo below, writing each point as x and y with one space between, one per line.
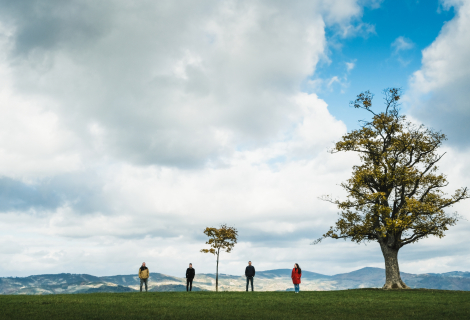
127 129
378 63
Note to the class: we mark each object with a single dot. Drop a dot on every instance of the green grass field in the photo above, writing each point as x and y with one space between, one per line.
349 304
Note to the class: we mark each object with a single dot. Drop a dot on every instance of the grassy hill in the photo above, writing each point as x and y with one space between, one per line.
349 304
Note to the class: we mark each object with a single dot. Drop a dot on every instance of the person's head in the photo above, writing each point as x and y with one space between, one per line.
249 263
299 271
143 264
190 265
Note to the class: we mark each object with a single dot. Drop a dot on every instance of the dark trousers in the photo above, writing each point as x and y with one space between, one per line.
142 281
248 279
189 283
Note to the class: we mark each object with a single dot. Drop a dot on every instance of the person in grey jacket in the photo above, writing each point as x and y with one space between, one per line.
249 274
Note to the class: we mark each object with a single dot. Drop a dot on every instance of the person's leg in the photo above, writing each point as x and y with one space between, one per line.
141 283
247 281
146 282
252 284
187 284
191 285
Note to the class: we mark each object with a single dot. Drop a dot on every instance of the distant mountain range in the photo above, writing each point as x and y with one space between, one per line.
271 280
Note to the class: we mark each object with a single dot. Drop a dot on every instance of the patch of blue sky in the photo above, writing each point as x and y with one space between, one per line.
275 162
384 56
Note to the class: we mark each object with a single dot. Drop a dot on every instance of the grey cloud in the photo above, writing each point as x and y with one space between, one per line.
177 83
269 239
425 251
79 191
82 191
50 24
15 195
447 110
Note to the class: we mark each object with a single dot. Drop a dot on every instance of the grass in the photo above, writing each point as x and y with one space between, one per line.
348 304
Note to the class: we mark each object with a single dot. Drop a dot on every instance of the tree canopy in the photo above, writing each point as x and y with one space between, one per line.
395 195
223 238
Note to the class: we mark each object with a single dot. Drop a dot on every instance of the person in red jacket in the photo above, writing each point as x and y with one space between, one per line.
296 274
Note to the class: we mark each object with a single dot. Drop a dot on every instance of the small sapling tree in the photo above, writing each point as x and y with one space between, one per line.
223 238
395 195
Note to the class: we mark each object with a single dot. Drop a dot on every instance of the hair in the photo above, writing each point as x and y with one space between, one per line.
249 261
190 263
298 268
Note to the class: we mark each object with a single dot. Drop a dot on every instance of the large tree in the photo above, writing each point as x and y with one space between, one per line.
395 196
223 238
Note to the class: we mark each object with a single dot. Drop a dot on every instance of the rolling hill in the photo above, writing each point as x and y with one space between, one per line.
270 280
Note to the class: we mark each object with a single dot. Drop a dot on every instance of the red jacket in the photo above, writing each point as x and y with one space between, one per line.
295 276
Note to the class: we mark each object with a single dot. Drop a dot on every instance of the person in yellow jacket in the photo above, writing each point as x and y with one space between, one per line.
144 276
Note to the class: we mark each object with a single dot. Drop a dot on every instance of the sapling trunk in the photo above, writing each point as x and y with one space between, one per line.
217 273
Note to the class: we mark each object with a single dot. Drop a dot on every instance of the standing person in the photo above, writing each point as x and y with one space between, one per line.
190 274
249 274
296 274
144 276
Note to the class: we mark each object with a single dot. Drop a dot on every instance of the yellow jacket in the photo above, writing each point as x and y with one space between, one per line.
143 274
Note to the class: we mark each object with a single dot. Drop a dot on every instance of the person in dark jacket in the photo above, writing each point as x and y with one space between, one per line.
190 274
249 274
296 274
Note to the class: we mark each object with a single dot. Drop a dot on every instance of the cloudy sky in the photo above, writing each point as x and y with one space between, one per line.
128 127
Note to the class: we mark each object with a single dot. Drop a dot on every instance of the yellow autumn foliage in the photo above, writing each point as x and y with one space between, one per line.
395 194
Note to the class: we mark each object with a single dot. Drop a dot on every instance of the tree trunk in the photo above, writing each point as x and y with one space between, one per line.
392 271
217 274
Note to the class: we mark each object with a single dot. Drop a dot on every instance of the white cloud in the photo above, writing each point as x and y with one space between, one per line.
145 123
439 97
439 90
33 142
149 121
273 204
444 61
350 65
402 44
163 81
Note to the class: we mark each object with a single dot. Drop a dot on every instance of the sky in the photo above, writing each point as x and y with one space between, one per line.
127 128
